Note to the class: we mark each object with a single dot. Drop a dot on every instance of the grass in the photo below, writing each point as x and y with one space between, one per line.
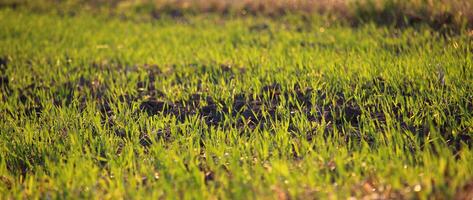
446 15
93 106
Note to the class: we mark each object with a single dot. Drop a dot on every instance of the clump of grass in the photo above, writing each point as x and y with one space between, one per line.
438 14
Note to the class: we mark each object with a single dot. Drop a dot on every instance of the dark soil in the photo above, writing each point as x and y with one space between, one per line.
250 110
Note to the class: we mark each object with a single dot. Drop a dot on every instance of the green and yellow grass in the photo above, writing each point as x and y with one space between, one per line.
450 14
106 107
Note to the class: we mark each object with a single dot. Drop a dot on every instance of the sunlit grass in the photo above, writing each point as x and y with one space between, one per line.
363 111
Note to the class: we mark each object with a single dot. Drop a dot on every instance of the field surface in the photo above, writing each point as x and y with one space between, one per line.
204 107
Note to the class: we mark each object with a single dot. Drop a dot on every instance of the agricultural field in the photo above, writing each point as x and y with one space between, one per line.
101 103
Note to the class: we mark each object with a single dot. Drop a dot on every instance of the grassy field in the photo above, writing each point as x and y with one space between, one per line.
298 107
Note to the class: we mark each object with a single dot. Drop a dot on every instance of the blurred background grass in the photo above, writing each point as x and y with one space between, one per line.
450 14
